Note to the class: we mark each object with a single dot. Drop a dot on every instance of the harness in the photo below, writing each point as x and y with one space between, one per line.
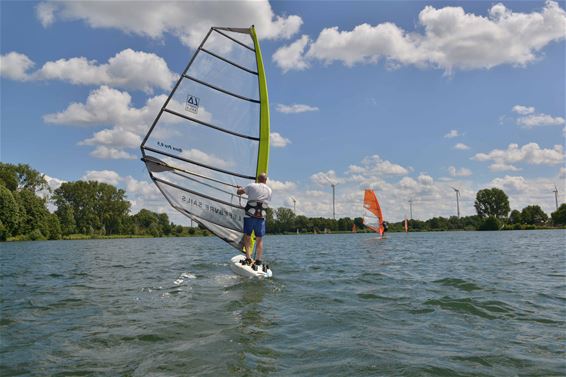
256 209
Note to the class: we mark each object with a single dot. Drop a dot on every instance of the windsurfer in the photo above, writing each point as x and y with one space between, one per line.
259 196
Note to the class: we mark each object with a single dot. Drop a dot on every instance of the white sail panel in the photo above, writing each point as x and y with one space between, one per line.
207 138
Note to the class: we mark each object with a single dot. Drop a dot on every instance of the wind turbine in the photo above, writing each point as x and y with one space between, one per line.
555 196
333 184
294 208
457 200
294 205
411 207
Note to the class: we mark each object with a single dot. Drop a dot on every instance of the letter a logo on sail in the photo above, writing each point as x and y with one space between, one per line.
192 104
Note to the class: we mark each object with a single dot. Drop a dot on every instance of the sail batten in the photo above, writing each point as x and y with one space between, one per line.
194 192
222 90
211 125
198 164
212 133
233 39
229 61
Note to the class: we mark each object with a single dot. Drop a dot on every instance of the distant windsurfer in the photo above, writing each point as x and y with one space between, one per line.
259 196
385 226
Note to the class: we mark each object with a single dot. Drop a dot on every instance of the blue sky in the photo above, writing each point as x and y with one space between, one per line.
408 98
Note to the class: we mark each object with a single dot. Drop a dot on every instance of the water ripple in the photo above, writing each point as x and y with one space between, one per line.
422 304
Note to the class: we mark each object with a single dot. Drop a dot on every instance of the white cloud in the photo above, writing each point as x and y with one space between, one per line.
452 134
523 110
294 109
291 57
114 137
107 153
127 69
425 179
278 141
108 106
189 21
141 188
282 186
511 183
14 66
104 176
530 119
452 39
500 166
408 183
534 120
562 173
375 165
46 13
461 147
462 172
326 178
529 153
54 184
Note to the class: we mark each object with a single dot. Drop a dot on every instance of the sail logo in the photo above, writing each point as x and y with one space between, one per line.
192 104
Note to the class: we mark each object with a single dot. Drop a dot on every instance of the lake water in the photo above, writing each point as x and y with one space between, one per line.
422 304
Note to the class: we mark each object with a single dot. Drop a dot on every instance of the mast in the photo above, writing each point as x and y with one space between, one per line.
457 200
556 196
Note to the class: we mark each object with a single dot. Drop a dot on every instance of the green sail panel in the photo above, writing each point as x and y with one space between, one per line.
212 133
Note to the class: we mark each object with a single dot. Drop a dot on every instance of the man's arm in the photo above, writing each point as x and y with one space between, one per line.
241 190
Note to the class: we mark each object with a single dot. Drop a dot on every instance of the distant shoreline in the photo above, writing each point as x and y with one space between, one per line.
83 237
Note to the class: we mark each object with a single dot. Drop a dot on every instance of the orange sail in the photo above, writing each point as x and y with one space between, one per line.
373 218
406 225
354 228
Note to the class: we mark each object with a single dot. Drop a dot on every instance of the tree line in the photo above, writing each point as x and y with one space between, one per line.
83 209
94 209
492 207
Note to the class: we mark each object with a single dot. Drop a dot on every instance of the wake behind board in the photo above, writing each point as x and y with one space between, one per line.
246 270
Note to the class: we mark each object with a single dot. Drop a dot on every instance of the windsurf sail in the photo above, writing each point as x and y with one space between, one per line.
406 225
212 133
373 218
354 228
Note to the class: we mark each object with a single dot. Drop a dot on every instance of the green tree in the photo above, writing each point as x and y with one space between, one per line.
559 216
26 177
437 223
66 219
286 218
345 224
9 213
490 223
8 177
533 215
34 214
164 223
515 217
303 223
94 204
492 202
53 227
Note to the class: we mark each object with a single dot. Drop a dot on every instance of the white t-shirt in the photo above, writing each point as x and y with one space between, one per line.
258 192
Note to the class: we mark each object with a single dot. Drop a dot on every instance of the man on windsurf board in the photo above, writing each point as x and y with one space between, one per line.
259 196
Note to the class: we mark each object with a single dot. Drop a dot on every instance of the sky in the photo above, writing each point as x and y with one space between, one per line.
409 98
